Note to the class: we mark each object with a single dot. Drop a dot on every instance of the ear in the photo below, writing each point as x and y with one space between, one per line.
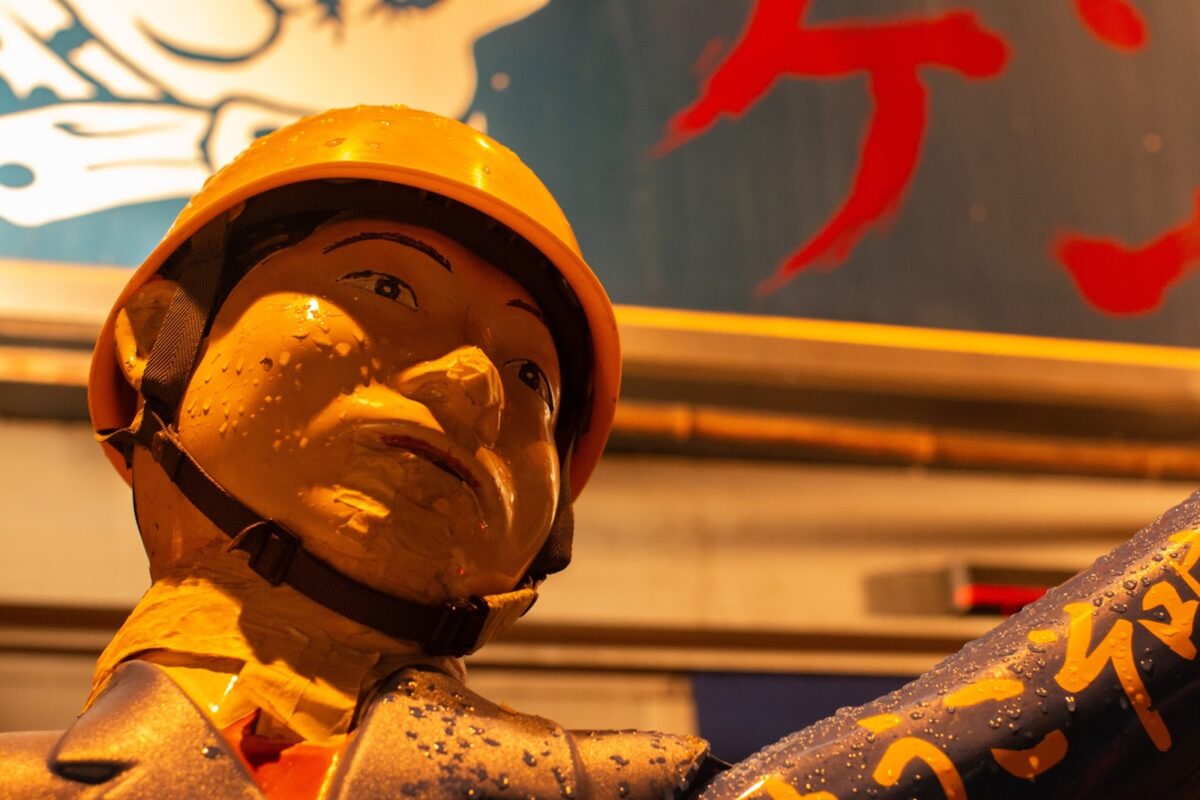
137 326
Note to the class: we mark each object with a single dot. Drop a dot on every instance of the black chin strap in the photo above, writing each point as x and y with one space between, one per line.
454 628
278 556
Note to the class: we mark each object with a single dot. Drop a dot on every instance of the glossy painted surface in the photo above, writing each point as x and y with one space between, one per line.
1090 692
390 398
413 148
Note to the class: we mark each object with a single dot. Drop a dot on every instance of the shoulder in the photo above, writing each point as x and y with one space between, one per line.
428 735
24 763
142 737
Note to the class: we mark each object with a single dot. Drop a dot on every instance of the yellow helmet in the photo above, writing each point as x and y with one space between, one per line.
440 158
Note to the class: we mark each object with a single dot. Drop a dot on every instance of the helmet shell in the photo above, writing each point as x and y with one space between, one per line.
400 145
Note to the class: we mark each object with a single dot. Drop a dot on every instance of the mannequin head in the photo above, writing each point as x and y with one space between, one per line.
381 391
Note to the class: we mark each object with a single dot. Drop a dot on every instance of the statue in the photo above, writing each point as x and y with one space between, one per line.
356 390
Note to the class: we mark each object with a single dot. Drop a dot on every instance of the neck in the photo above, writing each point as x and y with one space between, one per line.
236 645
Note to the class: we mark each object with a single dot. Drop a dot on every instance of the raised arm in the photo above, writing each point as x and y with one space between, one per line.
1089 693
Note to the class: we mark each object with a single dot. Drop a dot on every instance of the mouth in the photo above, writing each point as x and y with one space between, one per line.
440 459
438 450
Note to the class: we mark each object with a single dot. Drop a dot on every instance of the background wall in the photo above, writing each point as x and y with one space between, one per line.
736 598
789 501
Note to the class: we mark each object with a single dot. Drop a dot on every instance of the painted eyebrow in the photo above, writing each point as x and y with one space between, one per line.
521 304
398 238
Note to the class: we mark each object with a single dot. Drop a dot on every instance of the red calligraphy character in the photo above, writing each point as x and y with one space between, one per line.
1114 22
1121 279
777 44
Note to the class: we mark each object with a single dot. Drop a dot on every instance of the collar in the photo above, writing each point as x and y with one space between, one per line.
236 644
185 755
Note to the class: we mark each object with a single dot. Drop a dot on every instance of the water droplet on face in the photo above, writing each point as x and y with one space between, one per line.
210 752
529 760
1070 703
207 405
335 142
342 349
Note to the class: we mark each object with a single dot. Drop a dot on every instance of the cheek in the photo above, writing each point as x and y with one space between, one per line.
257 389
229 390
535 473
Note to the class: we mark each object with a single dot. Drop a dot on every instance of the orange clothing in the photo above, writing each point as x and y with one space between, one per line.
283 769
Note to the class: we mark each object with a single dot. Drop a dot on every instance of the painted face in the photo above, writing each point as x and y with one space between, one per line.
390 398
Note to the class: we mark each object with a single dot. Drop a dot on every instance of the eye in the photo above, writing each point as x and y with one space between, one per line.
383 284
532 376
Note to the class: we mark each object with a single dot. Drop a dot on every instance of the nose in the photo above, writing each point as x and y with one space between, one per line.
463 391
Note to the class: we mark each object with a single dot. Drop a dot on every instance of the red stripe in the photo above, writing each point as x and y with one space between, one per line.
1008 599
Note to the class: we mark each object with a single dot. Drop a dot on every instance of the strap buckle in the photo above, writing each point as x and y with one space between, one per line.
166 453
457 629
271 548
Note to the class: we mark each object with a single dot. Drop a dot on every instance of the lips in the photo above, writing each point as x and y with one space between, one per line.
433 455
441 451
